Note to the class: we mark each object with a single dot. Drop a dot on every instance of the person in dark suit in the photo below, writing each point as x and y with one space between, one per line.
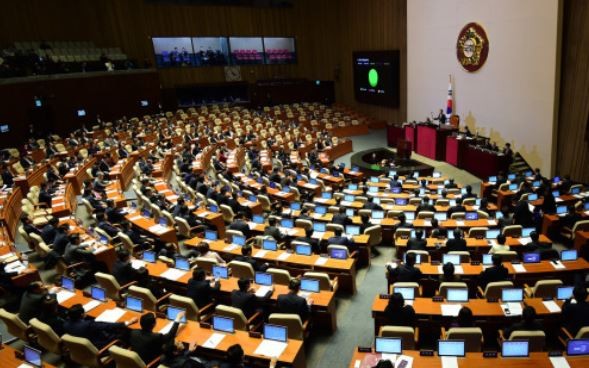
31 301
200 289
570 218
497 272
61 239
113 214
426 205
549 204
437 231
456 244
244 298
506 219
417 243
451 184
535 244
273 231
240 224
234 203
28 226
575 314
105 225
143 241
308 239
448 273
124 272
341 217
293 303
49 231
235 357
148 344
527 323
100 334
370 205
338 239
458 208
45 196
7 177
246 256
406 272
399 314
469 193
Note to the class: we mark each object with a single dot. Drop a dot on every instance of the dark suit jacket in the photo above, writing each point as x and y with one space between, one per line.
406 273
60 242
48 234
201 291
240 226
314 243
251 260
99 333
340 240
493 274
416 244
273 232
456 209
244 301
150 345
403 317
342 219
455 245
291 303
124 272
575 316
30 306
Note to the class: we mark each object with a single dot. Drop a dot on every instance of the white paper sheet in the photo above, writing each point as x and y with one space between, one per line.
270 348
375 221
402 358
519 268
283 257
391 357
203 214
458 270
263 291
25 365
260 253
15 266
318 235
91 305
63 295
524 241
137 264
230 247
449 362
492 222
459 223
551 306
135 218
321 261
558 265
110 315
451 310
158 229
559 362
166 328
213 340
173 274
515 309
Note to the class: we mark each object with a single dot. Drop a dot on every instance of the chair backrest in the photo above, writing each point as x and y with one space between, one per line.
507 255
206 263
493 289
477 232
402 232
423 254
583 333
183 227
241 269
192 311
482 214
227 213
46 337
101 232
265 202
229 234
14 325
292 322
125 358
375 235
279 276
425 215
334 227
537 338
472 336
443 202
305 224
127 242
582 225
464 255
239 320
149 300
407 335
512 230
458 216
109 284
81 350
413 285
324 281
546 288
444 286
469 202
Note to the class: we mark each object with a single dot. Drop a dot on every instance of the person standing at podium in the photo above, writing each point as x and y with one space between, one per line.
441 117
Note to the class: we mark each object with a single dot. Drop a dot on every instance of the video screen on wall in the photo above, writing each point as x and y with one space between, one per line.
279 50
210 51
377 77
246 50
173 51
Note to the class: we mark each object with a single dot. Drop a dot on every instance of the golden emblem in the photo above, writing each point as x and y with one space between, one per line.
472 47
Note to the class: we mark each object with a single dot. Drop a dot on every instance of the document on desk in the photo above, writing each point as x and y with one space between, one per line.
213 340
15 266
524 241
559 362
252 225
271 348
260 253
110 315
263 291
519 268
158 229
515 309
91 305
491 222
25 365
321 261
318 235
558 265
230 247
173 274
459 223
390 357
449 362
451 310
551 306
135 218
283 257
406 360
203 214
137 264
63 295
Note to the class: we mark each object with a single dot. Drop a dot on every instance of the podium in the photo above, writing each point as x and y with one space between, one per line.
404 149
431 141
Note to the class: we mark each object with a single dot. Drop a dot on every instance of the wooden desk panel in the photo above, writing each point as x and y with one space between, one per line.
146 224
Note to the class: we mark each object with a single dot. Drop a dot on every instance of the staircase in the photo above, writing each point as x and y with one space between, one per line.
519 164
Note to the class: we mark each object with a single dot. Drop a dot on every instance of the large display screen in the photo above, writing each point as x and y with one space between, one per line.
377 77
279 50
210 51
246 50
173 51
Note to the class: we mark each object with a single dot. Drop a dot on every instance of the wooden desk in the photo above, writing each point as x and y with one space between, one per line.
149 225
341 149
11 212
535 360
79 175
581 242
212 218
163 168
123 171
34 177
64 201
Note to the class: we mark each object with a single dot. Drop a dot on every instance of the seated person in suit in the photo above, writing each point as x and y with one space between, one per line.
105 225
240 224
341 217
338 239
136 237
464 318
499 245
235 358
507 218
100 334
417 243
469 193
448 273
426 205
273 231
458 243
370 205
451 184
575 313
200 289
113 214
293 303
32 300
308 238
246 256
437 231
535 245
570 218
244 298
399 314
124 272
456 209
497 272
406 272
150 345
205 252
49 231
527 323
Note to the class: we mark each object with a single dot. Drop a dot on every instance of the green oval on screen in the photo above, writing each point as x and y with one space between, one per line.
373 78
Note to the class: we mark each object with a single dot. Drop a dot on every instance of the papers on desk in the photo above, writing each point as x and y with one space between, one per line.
230 247
559 362
404 358
137 264
558 265
451 310
551 306
7 257
345 203
321 261
459 223
557 199
158 229
515 309
166 328
524 241
15 266
321 200
263 291
252 225
375 221
172 198
449 362
213 340
110 315
427 222
290 231
283 257
457 270
519 268
318 235
135 218
271 348
91 305
173 274
204 214
100 249
390 357
63 295
317 216
261 253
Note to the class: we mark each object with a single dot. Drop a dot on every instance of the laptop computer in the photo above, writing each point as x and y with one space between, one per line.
98 293
388 345
532 197
407 292
564 292
326 195
295 206
349 198
511 177
211 235
569 255
515 295
471 216
455 348
310 285
492 179
457 295
401 201
303 250
526 231
181 263
149 256
392 173
441 216
376 200
487 259
561 210
68 283
287 223
32 356
556 179
352 230
133 303
213 208
220 272
513 187
320 210
275 332
258 219
162 221
451 258
578 347
349 212
269 244
252 198
338 254
223 324
263 278
146 213
238 240
319 227
396 190
515 349
374 179
172 312
531 257
493 233
377 215
353 186
372 189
